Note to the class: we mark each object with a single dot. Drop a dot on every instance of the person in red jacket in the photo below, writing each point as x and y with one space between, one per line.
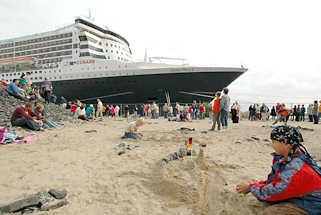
23 116
283 114
4 83
202 111
294 184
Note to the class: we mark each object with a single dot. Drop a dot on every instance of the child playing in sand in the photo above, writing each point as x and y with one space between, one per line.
294 184
132 129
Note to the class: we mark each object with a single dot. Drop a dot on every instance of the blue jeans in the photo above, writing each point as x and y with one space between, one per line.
224 118
165 115
130 135
25 122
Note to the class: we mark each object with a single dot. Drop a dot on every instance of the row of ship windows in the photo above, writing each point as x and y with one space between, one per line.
40 45
51 71
117 46
90 47
60 77
39 51
56 48
54 54
32 72
54 37
85 54
25 42
98 49
87 38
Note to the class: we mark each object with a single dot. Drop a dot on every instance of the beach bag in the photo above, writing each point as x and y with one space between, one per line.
3 132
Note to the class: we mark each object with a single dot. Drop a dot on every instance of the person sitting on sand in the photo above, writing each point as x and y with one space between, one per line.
15 91
22 117
81 112
294 184
90 112
132 129
45 117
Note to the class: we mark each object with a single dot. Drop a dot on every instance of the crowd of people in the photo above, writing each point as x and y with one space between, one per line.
23 89
219 109
282 113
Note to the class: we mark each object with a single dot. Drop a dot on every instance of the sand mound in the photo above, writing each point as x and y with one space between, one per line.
195 187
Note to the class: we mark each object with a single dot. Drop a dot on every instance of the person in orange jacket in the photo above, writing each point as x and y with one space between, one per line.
216 112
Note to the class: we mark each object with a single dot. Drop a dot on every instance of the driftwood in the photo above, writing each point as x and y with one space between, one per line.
42 201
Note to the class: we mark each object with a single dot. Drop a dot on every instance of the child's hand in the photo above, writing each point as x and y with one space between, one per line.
242 188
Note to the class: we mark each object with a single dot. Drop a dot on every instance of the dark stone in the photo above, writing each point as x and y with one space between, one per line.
250 140
202 145
90 131
53 205
255 138
121 152
29 201
187 129
165 160
58 194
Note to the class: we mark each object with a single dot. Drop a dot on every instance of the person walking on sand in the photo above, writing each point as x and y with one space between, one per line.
216 112
224 108
294 184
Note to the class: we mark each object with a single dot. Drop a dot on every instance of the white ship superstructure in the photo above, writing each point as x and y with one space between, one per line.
46 53
83 54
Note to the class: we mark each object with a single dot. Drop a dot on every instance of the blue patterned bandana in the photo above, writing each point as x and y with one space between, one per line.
287 134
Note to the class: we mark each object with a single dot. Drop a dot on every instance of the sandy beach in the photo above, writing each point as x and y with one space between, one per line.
83 159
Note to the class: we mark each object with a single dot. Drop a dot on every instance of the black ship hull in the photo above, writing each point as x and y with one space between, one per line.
145 88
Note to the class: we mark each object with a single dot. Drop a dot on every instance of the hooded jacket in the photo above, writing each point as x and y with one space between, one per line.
296 180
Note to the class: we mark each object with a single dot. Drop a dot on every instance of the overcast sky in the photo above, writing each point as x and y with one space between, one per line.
278 40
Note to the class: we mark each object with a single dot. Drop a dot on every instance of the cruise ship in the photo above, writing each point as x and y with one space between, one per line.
87 61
